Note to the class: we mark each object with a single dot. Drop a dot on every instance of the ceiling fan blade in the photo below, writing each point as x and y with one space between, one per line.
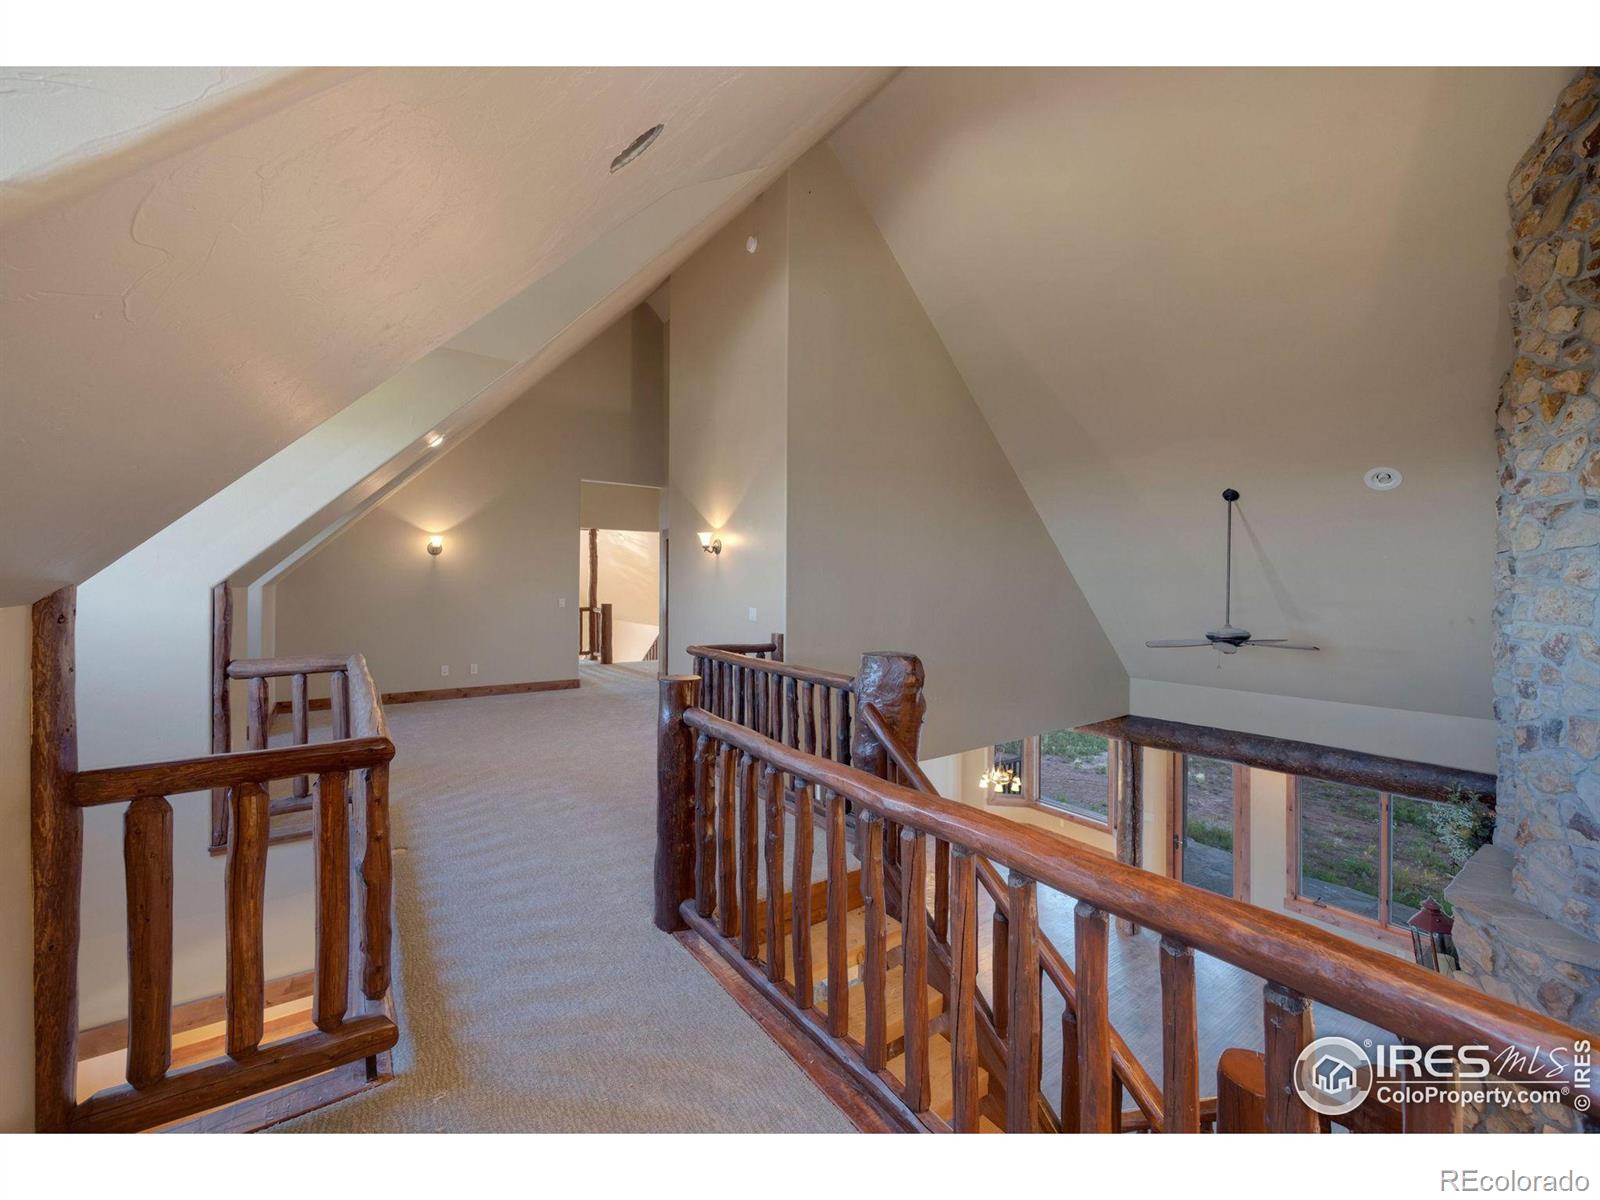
1169 642
1278 644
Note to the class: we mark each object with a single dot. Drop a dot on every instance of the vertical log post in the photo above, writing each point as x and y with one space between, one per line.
57 859
246 898
772 803
339 704
914 967
800 893
705 817
876 961
300 715
260 715
891 683
1130 814
749 857
1180 1050
1071 1093
964 988
727 863
607 635
377 876
999 970
1289 1030
331 849
221 702
1094 1020
147 863
838 920
1022 1038
675 800
777 647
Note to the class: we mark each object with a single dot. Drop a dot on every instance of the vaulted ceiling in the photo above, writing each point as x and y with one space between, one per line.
194 276
1161 283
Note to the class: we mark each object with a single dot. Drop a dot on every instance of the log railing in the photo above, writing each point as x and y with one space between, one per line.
352 904
596 633
720 796
801 707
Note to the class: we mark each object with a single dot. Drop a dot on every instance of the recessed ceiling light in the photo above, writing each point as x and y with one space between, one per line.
636 147
1382 479
435 440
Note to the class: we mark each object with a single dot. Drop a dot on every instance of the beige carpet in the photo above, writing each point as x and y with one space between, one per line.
534 993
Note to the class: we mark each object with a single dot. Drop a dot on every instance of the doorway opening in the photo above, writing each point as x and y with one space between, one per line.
619 574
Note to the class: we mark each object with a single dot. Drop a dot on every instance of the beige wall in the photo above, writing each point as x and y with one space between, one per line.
908 529
16 894
727 469
618 506
504 593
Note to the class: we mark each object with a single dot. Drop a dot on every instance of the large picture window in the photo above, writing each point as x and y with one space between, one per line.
1067 772
1363 859
1211 825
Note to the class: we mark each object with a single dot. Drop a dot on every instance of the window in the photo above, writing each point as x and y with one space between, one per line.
1211 825
1361 858
1067 773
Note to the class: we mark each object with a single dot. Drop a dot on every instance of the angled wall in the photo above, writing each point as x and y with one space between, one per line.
908 528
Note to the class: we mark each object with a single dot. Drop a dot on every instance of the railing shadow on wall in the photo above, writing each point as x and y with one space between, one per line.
745 740
350 795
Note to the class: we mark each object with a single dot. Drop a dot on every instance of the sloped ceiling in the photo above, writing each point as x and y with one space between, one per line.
1162 283
173 315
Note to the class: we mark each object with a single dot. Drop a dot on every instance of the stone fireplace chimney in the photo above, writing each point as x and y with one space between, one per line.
1528 906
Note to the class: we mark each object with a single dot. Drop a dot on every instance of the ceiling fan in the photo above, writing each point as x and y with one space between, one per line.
1229 638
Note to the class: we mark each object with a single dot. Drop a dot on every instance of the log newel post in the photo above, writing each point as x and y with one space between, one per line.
674 801
891 683
57 859
777 647
607 653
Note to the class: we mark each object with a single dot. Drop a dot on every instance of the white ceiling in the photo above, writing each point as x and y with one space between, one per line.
176 311
1161 283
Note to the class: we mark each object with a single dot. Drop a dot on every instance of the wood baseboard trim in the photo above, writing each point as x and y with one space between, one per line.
819 1065
471 693
208 1010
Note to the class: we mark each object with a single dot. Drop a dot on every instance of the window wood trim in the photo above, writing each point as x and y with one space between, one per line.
1032 763
1327 913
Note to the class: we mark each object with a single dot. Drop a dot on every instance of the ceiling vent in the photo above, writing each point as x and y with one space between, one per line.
636 147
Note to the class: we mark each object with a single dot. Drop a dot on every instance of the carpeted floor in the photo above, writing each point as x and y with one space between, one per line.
534 994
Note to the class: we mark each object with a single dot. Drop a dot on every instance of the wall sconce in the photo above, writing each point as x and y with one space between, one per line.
436 545
710 543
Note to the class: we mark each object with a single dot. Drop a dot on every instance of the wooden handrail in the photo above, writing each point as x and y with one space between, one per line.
771 666
110 785
1373 986
273 668
1141 1087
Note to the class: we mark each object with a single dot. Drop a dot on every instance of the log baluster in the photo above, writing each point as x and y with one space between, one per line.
1180 1050
808 717
963 989
331 849
838 920
825 746
147 858
244 992
772 803
1094 1020
1022 1035
1071 1112
791 697
914 967
300 706
1290 1028
941 889
727 840
999 971
800 891
377 875
842 738
705 798
339 704
749 850
259 718
875 964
